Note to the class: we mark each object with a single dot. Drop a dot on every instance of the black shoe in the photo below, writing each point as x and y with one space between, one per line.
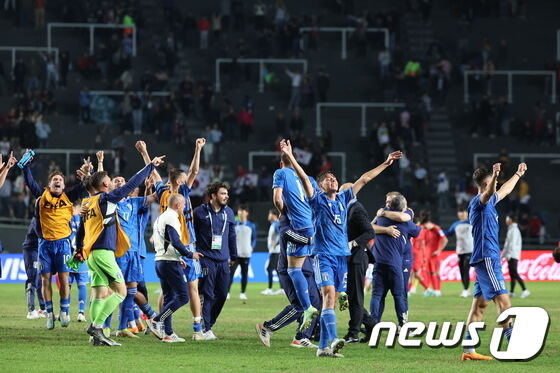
350 338
97 334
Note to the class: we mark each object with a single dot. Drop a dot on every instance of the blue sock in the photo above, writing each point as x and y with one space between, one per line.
107 323
507 332
324 337
49 306
300 284
136 311
147 310
197 324
126 308
65 305
330 322
82 298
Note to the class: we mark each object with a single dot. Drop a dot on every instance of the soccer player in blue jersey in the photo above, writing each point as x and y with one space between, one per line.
80 277
485 258
129 210
181 182
289 198
331 241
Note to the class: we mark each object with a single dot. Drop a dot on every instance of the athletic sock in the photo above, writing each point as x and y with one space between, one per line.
300 284
126 308
82 298
136 312
107 322
147 310
324 337
49 306
65 305
330 322
197 324
436 282
507 332
111 302
94 308
468 350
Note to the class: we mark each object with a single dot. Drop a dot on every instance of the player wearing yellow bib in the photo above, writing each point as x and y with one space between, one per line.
103 241
53 212
181 182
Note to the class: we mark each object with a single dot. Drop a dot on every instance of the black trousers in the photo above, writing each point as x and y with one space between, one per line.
514 275
355 288
464 268
244 264
272 264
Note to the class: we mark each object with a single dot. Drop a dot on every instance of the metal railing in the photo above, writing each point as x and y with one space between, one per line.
263 153
68 152
522 156
138 93
14 50
91 27
261 62
362 105
344 33
510 74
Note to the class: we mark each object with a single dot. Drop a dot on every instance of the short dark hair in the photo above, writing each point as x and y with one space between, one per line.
398 203
53 174
274 212
479 175
243 207
512 217
285 159
87 184
462 208
174 174
97 178
425 216
215 187
323 175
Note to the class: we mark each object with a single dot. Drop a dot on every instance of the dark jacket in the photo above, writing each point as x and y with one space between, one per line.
359 230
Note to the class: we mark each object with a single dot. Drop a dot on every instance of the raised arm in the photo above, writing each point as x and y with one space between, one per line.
372 174
35 189
5 167
509 185
491 187
100 157
143 150
195 163
134 182
286 148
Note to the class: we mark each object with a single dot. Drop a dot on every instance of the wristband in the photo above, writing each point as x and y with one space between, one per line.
520 176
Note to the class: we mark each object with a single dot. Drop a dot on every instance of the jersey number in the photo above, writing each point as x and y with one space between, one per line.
337 219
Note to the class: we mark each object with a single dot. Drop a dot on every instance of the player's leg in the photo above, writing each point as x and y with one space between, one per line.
63 252
176 296
126 312
220 291
29 258
303 338
232 270
105 260
294 271
434 265
196 309
396 286
207 284
46 266
82 296
270 273
244 264
525 293
356 273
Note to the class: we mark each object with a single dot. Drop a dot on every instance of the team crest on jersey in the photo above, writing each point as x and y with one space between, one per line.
325 276
119 276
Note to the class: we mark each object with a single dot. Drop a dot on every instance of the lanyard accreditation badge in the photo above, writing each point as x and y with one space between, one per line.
217 238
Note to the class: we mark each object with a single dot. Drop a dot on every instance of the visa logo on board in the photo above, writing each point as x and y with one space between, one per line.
13 268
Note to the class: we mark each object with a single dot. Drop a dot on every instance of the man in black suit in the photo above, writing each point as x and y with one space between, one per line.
360 233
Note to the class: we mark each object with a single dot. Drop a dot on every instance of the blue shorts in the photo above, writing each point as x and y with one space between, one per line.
489 279
79 278
294 241
131 266
331 270
53 255
193 270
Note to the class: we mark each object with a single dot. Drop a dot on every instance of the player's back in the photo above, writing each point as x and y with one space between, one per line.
432 237
295 201
485 228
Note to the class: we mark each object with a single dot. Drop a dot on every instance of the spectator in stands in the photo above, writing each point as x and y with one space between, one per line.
421 175
238 15
551 133
40 13
203 28
27 136
215 138
295 97
19 74
216 21
384 59
442 190
404 170
119 163
42 130
280 15
166 117
126 80
323 84
64 65
3 90
137 113
5 194
383 137
281 128
33 76
118 143
296 123
5 147
307 92
246 122
51 69
259 14
85 102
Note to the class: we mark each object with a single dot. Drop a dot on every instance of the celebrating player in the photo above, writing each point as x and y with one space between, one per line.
331 241
434 241
485 258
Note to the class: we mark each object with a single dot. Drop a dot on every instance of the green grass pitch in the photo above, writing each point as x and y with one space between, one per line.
26 346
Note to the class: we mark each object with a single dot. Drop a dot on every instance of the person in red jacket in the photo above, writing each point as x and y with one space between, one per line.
204 28
246 122
434 241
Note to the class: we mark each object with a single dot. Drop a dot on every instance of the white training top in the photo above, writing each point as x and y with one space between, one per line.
243 235
164 249
512 246
464 241
273 240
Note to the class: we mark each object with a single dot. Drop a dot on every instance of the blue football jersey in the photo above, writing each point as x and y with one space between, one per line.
485 229
331 216
295 200
129 218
